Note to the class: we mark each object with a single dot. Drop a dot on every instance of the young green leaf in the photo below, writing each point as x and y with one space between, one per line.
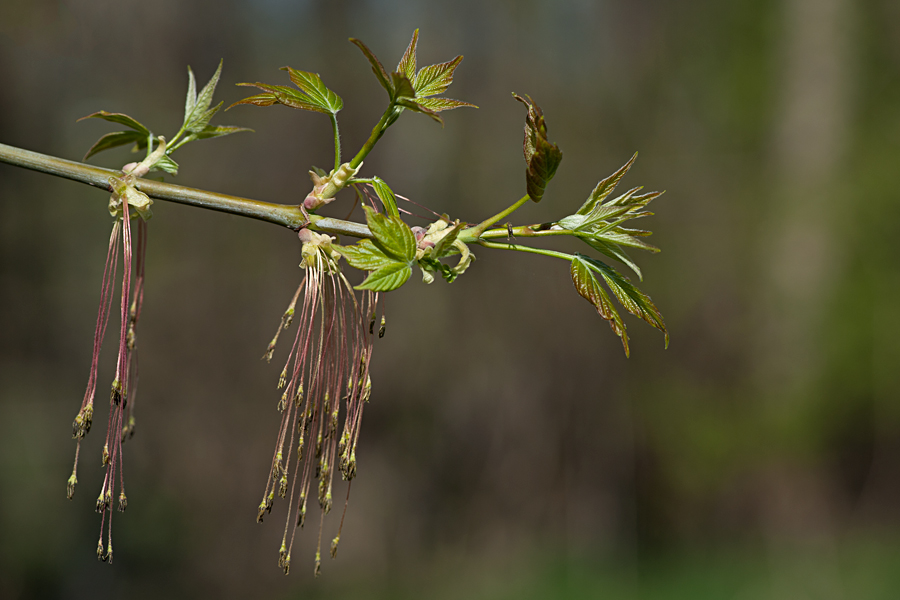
634 300
590 289
613 251
113 140
605 187
211 131
415 106
165 163
191 100
387 278
120 118
313 86
312 95
435 266
411 90
435 79
392 235
386 195
541 157
198 117
365 256
444 245
407 64
377 67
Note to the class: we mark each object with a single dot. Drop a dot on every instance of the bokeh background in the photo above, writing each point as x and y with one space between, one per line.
510 449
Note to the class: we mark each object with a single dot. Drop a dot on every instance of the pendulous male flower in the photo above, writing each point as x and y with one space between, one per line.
125 203
325 381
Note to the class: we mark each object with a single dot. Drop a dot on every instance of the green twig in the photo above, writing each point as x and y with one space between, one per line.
529 249
279 214
475 232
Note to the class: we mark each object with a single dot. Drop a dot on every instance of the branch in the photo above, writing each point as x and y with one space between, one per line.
280 214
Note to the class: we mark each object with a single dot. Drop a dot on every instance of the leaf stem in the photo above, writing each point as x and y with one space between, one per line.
525 231
529 249
474 233
280 214
376 134
337 141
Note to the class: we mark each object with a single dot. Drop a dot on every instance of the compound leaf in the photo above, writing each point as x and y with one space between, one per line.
632 299
586 285
392 235
313 86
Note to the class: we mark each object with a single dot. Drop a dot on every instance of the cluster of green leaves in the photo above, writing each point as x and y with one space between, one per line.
389 256
393 251
198 111
599 223
414 90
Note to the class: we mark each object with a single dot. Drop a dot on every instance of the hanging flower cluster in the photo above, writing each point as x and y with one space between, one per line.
325 380
125 203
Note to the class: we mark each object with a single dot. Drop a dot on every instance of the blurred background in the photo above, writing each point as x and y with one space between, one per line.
510 449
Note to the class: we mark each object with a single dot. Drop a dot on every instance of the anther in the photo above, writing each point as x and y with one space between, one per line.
334 545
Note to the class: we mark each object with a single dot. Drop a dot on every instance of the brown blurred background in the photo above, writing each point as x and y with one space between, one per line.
510 449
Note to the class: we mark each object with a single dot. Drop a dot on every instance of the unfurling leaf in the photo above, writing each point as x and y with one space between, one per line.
377 67
605 187
445 244
113 140
312 94
165 163
118 118
590 289
197 111
541 157
211 131
392 235
386 195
